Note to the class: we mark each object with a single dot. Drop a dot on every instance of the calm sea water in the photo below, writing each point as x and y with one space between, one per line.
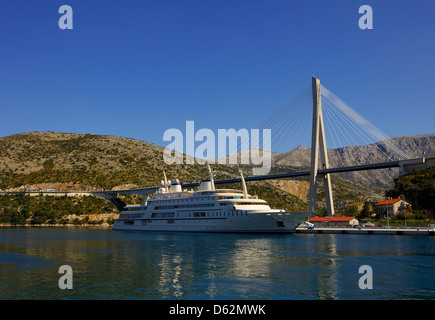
110 264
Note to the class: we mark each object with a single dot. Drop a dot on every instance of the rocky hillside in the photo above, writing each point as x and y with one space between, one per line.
414 146
95 160
64 161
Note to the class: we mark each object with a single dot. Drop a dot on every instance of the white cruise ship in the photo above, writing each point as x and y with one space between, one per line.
207 210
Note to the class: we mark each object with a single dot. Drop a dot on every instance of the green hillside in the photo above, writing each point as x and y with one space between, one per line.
43 160
418 187
97 162
100 161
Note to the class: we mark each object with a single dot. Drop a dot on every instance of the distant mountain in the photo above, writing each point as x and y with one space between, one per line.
299 159
414 146
87 161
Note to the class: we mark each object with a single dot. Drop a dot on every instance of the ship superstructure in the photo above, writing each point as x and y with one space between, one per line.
206 210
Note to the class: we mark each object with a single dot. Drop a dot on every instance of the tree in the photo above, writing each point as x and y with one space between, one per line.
366 210
354 210
418 187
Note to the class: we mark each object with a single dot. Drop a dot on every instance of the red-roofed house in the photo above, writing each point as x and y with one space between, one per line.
392 206
334 221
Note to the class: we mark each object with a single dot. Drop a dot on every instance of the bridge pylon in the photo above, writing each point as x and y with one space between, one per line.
318 145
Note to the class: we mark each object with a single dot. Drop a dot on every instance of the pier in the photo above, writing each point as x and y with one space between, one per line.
373 231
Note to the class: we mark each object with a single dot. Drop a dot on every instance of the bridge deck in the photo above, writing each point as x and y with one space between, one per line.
144 191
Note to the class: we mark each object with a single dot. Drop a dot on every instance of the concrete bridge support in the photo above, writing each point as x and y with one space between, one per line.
318 145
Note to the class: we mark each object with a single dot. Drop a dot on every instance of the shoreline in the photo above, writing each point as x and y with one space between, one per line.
69 225
299 230
369 231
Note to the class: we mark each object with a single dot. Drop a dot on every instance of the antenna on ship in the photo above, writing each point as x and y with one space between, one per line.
166 181
211 177
245 191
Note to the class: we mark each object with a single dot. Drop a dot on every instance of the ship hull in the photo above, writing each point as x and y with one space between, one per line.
253 222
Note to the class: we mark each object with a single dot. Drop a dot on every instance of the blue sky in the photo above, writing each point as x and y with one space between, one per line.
136 68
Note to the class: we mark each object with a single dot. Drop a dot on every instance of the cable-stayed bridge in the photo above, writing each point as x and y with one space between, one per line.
322 120
332 120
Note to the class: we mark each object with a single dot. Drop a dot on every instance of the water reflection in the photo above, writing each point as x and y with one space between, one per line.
171 277
327 281
231 268
125 265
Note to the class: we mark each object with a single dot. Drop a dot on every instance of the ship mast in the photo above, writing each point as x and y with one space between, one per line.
211 177
245 191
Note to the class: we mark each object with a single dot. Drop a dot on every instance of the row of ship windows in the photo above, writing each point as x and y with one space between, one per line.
186 206
200 214
130 215
197 199
189 222
183 200
230 198
190 214
203 205
174 207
